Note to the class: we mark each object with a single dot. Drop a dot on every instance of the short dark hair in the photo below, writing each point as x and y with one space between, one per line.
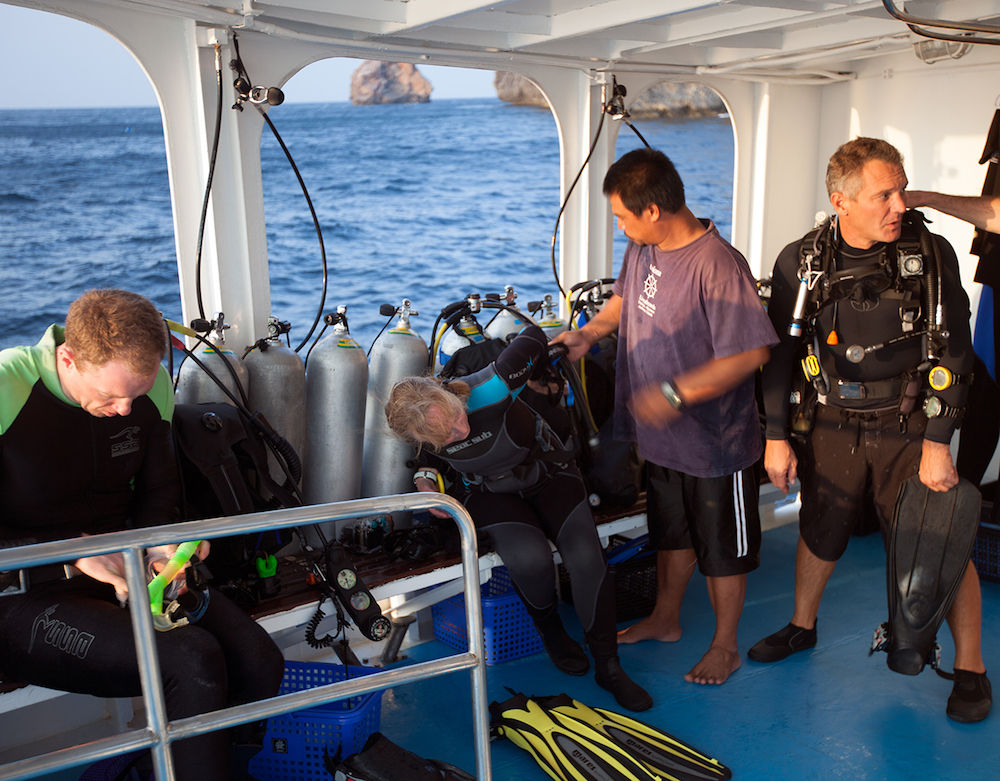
116 325
643 177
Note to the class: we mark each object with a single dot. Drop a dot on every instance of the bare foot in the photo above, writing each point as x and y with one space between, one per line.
666 631
715 666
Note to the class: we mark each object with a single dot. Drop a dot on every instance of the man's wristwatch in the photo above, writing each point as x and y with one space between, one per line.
670 394
935 408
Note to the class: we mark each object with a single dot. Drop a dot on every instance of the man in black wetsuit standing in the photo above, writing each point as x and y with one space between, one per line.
85 448
880 418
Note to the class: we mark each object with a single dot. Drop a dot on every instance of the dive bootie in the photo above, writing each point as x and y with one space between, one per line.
609 674
971 697
786 641
630 695
563 650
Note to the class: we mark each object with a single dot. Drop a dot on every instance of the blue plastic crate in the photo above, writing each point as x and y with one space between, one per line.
986 553
295 742
508 631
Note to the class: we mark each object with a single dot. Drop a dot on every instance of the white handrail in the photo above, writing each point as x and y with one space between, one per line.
159 731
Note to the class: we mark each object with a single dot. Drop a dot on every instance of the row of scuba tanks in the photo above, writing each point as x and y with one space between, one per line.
330 406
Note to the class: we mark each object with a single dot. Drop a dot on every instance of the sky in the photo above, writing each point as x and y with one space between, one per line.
39 51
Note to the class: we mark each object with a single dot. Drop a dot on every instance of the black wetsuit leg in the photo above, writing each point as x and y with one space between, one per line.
73 636
521 527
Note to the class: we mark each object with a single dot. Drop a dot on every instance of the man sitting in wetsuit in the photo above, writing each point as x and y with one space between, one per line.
85 448
521 487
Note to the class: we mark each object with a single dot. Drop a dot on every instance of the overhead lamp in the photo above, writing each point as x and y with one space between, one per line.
932 50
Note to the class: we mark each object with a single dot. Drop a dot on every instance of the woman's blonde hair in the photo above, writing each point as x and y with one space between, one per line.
410 404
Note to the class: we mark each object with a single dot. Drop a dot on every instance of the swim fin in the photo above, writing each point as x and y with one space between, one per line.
565 748
661 752
932 536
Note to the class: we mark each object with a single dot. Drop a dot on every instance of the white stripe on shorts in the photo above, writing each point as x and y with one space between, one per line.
739 504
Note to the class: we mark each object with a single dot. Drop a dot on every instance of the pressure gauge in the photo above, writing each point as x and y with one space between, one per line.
346 578
360 600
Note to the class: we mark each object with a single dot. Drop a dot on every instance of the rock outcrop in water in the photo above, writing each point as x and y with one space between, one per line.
375 82
666 99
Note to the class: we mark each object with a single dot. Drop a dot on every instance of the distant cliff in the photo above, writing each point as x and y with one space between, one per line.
376 82
666 99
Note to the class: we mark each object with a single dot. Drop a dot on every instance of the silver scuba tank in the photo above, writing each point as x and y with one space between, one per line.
465 332
507 321
195 386
278 390
548 318
399 352
336 385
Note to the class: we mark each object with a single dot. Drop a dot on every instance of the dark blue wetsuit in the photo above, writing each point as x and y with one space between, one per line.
523 489
64 472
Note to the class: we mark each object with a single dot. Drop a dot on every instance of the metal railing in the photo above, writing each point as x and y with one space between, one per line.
159 732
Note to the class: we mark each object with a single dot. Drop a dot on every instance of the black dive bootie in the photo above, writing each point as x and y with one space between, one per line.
609 675
563 650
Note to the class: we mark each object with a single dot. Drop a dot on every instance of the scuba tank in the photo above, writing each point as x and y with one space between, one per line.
336 380
546 316
278 390
453 335
195 386
509 320
400 352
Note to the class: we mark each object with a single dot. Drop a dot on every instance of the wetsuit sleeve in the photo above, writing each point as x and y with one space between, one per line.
778 373
521 360
958 357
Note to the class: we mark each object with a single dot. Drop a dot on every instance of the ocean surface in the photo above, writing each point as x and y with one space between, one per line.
429 202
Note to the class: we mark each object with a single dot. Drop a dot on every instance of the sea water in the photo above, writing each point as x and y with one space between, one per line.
429 202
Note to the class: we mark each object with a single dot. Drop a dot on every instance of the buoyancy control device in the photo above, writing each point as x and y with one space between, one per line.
222 458
908 272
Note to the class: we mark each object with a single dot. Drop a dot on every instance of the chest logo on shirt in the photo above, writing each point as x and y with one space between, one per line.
125 442
645 302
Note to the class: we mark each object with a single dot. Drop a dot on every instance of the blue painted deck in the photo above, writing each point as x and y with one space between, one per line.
832 712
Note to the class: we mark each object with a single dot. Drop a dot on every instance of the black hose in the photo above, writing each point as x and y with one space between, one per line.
208 185
569 192
241 69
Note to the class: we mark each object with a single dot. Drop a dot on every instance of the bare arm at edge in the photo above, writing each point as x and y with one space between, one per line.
983 211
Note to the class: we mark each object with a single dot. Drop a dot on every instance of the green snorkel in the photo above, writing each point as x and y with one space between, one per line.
162 621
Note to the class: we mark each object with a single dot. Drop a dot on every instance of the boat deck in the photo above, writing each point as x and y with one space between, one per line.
831 712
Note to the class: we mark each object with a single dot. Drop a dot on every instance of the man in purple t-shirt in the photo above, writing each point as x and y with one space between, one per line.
692 333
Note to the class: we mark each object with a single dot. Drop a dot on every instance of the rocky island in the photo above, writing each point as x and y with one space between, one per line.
375 82
666 99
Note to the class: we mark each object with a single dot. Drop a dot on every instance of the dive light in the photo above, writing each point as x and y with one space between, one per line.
797 325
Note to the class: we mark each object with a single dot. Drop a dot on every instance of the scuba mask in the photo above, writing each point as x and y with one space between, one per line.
861 286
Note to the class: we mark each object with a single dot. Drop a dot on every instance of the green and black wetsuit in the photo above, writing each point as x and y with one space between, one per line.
64 472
